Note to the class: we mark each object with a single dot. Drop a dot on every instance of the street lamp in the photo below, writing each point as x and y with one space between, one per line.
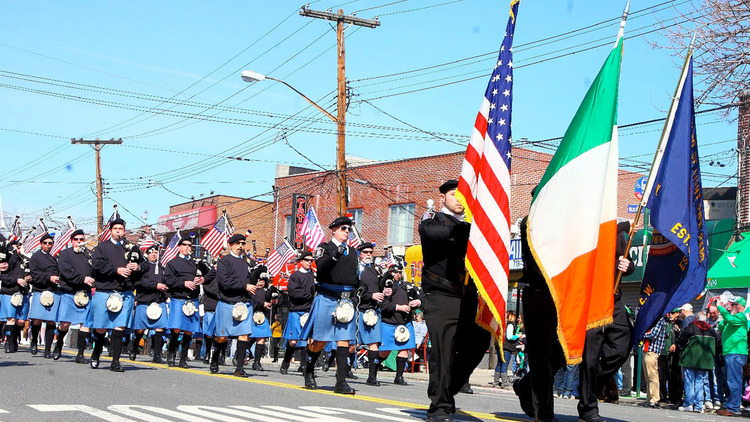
250 76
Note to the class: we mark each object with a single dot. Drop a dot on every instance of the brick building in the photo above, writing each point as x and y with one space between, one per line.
389 198
199 216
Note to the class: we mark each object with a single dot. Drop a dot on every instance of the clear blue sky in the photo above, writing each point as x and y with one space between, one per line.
164 77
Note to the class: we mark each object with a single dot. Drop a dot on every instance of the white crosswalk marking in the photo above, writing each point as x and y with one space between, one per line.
370 415
101 414
138 412
212 413
307 416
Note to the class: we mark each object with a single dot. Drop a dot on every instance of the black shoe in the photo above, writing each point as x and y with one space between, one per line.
326 366
310 383
80 359
48 354
94 363
373 381
524 398
182 364
133 353
595 418
350 375
301 369
56 354
7 346
171 359
34 349
116 367
274 361
343 388
240 373
444 418
159 360
257 366
284 368
466 389
206 359
213 367
399 381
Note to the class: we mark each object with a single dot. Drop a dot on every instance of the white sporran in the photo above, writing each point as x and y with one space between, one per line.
303 319
370 318
189 308
240 312
259 317
153 312
16 299
81 298
401 334
344 312
114 302
47 299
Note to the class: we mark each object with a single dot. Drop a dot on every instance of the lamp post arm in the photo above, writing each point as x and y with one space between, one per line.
330 116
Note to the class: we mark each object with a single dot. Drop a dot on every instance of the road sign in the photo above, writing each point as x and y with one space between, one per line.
632 209
640 186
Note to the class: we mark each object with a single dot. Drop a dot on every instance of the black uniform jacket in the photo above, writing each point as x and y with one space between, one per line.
210 291
146 292
107 258
444 240
74 268
301 290
10 277
177 271
389 313
369 280
43 265
233 276
341 271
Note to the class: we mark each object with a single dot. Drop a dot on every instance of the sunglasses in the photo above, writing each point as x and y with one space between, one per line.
308 259
80 239
190 245
47 243
242 243
344 228
367 252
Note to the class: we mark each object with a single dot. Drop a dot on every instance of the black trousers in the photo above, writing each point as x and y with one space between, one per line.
674 385
604 352
663 369
458 346
543 350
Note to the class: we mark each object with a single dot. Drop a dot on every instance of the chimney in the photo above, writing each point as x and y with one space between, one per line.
743 163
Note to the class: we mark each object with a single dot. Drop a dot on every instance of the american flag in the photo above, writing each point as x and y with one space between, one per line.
146 243
484 186
172 249
32 240
311 230
106 233
279 257
214 241
15 230
62 241
389 260
355 239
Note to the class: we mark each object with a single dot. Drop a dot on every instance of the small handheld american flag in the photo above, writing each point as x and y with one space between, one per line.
172 249
311 229
106 234
279 257
215 240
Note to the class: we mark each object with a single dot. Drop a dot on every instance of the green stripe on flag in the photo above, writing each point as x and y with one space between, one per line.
592 125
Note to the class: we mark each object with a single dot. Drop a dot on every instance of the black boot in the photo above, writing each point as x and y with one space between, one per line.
174 339
81 346
186 338
374 358
34 347
342 367
240 354
349 373
208 342
400 365
288 354
215 355
12 340
134 349
259 351
303 359
116 347
58 347
312 357
49 338
158 346
97 352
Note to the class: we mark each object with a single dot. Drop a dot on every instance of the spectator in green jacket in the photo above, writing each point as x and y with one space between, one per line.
733 329
698 343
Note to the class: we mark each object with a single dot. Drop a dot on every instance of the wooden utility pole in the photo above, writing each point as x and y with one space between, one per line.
97 143
340 20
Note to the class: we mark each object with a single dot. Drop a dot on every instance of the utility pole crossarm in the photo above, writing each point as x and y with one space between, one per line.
97 141
330 16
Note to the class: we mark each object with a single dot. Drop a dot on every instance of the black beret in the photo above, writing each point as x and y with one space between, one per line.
304 255
340 221
45 237
152 248
448 186
14 242
185 239
77 232
236 238
117 220
366 245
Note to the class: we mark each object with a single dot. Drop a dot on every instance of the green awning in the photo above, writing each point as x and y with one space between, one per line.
732 269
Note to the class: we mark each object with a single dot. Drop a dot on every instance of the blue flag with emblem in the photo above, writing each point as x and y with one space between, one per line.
677 263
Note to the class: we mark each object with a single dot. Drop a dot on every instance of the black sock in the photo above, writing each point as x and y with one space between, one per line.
13 331
332 357
240 353
98 345
136 341
303 355
115 341
82 342
352 357
342 363
208 341
288 354
374 357
312 357
186 338
216 354
49 337
173 339
250 353
60 339
400 365
35 333
158 344
259 351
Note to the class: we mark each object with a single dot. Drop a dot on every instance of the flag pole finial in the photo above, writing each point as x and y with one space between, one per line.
692 42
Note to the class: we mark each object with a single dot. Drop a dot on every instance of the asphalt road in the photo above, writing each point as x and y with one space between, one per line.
38 389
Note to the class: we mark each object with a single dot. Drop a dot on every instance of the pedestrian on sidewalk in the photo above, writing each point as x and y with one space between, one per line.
698 343
733 329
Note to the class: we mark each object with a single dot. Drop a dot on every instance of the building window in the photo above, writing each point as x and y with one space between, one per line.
357 216
288 233
401 224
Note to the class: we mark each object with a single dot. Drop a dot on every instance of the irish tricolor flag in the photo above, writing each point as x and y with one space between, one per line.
572 223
